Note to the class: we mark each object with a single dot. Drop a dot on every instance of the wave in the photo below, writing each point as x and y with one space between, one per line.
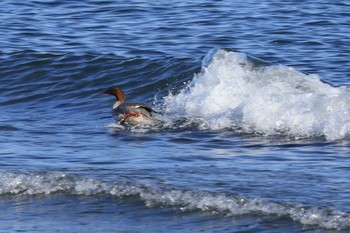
31 77
154 197
237 92
232 91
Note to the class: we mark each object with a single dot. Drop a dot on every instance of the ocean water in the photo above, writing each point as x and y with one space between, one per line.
255 102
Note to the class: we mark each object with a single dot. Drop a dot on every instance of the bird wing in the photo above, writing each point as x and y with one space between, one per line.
142 108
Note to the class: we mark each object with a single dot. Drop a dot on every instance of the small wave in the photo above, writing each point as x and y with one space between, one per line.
8 128
185 200
234 91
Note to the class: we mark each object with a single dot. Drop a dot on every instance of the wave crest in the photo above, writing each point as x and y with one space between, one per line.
153 197
235 91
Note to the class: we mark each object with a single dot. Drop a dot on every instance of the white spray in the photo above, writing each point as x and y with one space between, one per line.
233 92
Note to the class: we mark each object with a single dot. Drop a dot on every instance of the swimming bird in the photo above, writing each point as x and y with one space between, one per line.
129 113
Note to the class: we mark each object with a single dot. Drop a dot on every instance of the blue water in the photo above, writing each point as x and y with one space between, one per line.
254 99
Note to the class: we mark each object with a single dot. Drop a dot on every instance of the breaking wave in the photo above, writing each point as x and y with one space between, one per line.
153 197
237 92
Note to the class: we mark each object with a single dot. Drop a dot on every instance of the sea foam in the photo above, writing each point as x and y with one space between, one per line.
234 91
58 183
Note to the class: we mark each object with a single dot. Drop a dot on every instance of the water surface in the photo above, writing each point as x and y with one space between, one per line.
255 102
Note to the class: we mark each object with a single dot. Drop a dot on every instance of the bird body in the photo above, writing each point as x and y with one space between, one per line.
129 113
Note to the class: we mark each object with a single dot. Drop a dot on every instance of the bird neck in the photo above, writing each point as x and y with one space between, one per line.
116 104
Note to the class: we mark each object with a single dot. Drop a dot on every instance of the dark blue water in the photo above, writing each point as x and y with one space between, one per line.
254 96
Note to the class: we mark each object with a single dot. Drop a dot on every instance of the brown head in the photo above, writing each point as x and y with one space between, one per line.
117 92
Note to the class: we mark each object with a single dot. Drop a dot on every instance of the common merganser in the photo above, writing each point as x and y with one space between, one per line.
129 113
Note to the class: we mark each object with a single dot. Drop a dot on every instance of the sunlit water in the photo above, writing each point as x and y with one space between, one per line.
254 102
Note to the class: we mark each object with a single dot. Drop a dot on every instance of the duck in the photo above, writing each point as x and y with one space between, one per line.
129 114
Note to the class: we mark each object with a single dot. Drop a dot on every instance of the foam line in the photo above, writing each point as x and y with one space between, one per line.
154 197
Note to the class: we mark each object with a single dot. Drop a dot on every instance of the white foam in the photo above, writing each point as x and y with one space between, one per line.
233 92
186 200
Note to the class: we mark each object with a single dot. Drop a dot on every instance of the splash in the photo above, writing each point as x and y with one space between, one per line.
155 197
234 91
